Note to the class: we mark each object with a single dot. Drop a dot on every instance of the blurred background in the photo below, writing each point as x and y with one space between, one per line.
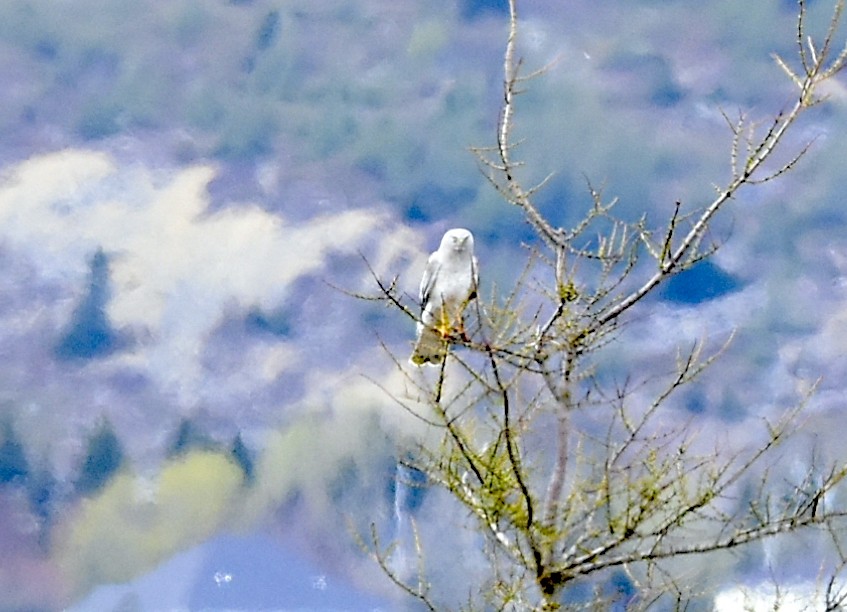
191 411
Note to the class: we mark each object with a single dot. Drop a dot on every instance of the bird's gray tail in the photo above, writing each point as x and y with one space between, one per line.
430 348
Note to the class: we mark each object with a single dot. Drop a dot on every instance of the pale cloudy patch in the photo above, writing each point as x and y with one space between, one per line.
798 597
37 208
176 268
273 361
391 388
818 358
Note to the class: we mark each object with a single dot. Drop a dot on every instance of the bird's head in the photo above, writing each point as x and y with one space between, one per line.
457 239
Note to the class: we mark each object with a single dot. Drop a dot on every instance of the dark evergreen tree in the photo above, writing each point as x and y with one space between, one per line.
41 494
14 466
105 456
189 436
243 458
90 334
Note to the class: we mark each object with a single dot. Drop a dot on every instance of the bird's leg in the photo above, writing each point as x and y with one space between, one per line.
443 326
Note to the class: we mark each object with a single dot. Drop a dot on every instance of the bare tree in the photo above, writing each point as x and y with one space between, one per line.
514 408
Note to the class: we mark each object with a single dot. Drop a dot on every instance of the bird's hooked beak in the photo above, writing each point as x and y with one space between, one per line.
459 242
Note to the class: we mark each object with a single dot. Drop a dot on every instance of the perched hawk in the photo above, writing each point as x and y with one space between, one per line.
449 283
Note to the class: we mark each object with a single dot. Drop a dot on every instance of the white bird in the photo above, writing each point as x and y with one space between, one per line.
449 282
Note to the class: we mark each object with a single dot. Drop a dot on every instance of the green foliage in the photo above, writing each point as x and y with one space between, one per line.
129 524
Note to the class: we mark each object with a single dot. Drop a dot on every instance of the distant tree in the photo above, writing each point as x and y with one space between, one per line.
475 8
90 334
243 458
268 31
14 466
189 436
41 489
103 458
570 475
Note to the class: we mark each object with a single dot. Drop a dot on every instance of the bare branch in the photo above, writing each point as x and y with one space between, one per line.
563 472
